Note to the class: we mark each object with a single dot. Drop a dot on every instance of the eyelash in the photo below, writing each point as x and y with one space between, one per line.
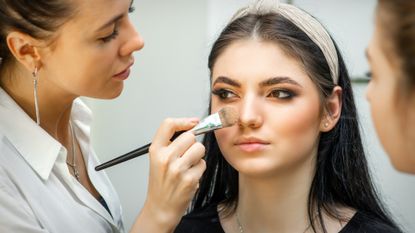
288 94
223 94
131 9
369 74
115 33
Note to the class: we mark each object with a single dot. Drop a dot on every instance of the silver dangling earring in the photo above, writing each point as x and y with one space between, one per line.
35 80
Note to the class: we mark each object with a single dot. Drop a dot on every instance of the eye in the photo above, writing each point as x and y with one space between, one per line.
131 9
281 94
369 74
112 36
223 94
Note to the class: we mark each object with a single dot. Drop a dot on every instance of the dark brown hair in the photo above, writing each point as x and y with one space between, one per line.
37 18
397 22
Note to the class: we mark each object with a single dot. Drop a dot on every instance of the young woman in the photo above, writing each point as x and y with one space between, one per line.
295 161
391 90
52 52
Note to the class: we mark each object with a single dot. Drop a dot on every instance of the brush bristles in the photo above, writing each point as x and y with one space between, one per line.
228 116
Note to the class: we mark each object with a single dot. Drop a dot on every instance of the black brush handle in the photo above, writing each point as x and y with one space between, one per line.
130 155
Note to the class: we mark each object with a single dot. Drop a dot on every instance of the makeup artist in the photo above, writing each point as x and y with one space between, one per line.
49 54
391 91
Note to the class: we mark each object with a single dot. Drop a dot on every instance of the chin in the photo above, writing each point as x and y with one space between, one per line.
257 168
403 162
113 93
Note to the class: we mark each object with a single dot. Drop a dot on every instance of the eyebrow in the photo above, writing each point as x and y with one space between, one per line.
265 83
110 22
278 80
223 79
114 19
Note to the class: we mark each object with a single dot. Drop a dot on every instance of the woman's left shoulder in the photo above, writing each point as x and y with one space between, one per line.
369 223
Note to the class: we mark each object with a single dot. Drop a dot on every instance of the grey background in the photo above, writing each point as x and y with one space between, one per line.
170 79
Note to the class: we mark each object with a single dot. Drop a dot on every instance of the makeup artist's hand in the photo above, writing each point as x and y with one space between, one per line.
175 170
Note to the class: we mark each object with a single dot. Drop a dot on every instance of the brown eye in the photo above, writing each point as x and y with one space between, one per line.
281 94
223 94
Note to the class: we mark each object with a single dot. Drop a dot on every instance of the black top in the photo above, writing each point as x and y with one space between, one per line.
208 222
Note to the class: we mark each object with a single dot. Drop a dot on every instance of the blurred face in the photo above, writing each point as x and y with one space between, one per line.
382 94
278 104
93 53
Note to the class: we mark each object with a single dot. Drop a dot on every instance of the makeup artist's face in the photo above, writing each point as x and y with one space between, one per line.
93 52
382 93
279 109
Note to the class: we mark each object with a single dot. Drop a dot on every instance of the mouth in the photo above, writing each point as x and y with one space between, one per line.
123 75
251 145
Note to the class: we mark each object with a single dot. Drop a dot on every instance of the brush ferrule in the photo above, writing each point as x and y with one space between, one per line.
210 123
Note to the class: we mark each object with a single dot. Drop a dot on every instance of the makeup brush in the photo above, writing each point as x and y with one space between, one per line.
225 117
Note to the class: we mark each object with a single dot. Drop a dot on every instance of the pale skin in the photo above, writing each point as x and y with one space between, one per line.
394 118
274 145
68 69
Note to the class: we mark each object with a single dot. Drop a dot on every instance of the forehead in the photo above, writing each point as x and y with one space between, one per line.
254 58
93 13
381 46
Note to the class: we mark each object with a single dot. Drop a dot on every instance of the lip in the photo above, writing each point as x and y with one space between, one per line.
251 144
123 75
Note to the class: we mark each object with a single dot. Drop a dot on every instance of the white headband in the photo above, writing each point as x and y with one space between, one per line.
314 30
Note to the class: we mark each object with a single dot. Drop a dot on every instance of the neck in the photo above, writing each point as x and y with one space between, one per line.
54 104
278 202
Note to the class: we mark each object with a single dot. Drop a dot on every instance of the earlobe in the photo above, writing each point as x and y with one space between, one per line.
24 50
332 110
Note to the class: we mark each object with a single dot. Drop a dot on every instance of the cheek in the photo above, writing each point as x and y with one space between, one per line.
381 103
215 105
297 132
89 73
224 136
297 119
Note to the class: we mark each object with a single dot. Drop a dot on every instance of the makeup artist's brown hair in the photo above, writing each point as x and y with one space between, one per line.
342 176
39 19
397 23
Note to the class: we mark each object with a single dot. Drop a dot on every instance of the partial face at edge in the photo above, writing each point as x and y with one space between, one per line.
279 106
382 93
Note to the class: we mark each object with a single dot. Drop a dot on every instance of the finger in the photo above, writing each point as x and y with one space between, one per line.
193 155
197 171
181 144
169 127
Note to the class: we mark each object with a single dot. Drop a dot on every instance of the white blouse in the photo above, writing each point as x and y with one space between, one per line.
37 192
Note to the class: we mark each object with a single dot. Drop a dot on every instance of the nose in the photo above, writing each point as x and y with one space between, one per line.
368 91
250 113
134 41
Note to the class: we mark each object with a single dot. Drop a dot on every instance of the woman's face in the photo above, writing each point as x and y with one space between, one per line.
92 55
394 129
279 109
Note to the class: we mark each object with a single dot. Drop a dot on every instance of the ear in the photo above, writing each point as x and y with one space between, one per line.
332 110
24 49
